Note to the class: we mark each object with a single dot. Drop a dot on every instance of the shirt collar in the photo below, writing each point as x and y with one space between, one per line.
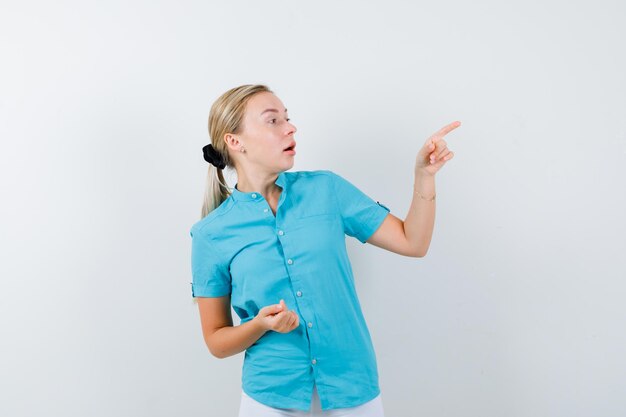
237 195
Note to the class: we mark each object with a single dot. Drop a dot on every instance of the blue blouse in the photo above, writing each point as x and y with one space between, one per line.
241 248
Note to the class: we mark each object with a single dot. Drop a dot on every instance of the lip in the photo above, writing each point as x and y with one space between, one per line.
292 151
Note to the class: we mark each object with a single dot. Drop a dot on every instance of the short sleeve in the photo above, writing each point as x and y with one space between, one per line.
361 215
210 275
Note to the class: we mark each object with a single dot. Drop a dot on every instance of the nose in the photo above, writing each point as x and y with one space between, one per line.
293 128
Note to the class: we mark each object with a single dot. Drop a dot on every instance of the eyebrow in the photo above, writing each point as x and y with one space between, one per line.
274 110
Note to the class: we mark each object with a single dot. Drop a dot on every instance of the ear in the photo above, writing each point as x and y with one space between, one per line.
232 142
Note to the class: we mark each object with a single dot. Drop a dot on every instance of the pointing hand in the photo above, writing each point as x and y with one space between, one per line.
435 153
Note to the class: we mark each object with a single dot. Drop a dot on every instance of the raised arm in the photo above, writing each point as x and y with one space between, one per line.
412 236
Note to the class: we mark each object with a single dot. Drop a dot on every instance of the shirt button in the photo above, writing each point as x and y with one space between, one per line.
280 232
253 195
289 261
299 293
265 210
314 361
310 324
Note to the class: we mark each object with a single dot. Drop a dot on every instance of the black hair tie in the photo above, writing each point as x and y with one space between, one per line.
212 156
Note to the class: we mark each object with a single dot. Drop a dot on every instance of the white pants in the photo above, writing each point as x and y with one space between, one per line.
250 407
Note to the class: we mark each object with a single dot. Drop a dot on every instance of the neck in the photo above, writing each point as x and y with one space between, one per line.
262 183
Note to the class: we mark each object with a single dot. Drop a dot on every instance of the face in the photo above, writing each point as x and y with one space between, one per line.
267 132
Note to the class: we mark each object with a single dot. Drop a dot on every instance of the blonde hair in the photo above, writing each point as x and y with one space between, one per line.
226 116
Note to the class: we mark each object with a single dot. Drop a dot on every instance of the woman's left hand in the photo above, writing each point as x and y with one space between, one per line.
435 153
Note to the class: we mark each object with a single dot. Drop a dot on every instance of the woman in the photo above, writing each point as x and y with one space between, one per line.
274 247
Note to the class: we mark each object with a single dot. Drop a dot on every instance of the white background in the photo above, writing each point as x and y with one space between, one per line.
518 307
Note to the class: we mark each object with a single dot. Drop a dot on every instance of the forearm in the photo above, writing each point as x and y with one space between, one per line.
420 221
231 340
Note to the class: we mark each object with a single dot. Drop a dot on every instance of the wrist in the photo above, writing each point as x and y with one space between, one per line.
422 175
424 186
258 323
423 181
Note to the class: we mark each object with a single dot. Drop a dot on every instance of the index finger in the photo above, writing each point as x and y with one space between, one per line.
447 129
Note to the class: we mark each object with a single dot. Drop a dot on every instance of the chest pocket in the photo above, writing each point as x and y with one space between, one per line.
312 212
313 220
315 216
317 229
319 213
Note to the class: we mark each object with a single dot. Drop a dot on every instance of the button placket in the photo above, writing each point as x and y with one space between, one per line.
290 261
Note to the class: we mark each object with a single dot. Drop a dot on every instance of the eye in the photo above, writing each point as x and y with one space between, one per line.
273 120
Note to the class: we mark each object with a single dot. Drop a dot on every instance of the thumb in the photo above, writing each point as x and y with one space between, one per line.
427 149
272 309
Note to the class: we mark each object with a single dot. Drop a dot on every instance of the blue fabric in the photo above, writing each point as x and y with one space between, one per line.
299 255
